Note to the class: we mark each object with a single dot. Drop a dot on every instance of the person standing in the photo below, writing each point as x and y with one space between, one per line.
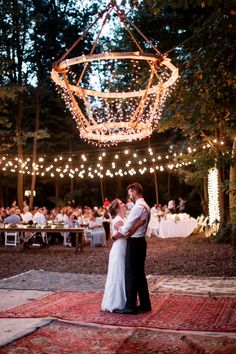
181 206
106 203
135 279
114 295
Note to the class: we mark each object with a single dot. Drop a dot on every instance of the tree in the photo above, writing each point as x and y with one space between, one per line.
201 109
34 34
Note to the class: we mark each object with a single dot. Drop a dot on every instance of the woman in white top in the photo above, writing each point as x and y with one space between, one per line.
114 295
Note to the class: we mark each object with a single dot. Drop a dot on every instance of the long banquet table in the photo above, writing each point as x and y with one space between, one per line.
78 232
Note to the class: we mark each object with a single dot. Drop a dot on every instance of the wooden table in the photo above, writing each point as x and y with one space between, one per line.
79 233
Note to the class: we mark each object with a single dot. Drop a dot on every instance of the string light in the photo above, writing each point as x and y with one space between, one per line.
91 166
213 195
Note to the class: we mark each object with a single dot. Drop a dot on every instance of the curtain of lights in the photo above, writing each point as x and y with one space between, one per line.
213 195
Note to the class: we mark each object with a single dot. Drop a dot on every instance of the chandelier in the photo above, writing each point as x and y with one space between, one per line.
116 96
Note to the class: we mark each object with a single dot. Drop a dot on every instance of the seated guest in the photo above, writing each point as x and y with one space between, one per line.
86 216
39 216
17 212
98 235
3 214
12 218
70 223
26 215
79 216
157 210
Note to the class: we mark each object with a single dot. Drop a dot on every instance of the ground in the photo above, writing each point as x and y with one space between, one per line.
195 255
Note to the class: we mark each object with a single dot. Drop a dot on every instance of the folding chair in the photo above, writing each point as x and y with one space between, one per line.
12 238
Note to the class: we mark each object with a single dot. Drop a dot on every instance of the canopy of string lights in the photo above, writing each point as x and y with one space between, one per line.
115 96
101 164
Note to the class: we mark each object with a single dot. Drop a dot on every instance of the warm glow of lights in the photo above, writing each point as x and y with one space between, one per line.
93 163
124 101
213 195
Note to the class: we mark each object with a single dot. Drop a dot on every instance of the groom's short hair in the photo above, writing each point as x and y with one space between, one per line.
137 187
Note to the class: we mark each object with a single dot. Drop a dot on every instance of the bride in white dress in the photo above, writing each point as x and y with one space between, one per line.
114 294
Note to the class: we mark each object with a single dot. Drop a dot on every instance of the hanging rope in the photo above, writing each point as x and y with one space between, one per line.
84 34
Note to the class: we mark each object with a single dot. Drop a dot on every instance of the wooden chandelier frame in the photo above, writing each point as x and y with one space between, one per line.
107 132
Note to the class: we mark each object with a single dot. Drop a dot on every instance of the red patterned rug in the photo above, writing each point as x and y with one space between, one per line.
63 338
176 312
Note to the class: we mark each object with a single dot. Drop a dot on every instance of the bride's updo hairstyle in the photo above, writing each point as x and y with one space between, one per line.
113 207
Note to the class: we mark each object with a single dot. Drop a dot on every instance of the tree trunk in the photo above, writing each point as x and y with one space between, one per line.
57 192
18 35
102 192
20 180
1 193
168 184
232 194
34 157
156 187
118 187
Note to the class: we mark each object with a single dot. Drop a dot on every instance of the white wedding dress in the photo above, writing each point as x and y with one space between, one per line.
114 295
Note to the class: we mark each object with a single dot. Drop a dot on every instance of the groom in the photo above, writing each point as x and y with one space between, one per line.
135 279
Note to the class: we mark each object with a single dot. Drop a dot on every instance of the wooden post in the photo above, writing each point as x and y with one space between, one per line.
102 193
156 186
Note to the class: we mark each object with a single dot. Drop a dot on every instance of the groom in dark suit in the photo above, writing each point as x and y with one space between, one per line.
135 278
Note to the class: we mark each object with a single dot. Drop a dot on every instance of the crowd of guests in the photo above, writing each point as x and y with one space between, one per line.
170 208
96 220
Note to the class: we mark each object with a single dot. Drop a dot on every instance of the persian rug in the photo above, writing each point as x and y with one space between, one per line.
175 312
60 338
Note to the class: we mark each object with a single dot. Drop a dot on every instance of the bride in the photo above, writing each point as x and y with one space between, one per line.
114 295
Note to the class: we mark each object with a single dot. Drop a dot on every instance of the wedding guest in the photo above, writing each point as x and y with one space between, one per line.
3 214
12 218
26 215
171 206
39 216
181 205
106 203
106 219
17 212
98 235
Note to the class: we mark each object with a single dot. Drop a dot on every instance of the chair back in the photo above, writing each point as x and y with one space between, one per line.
12 238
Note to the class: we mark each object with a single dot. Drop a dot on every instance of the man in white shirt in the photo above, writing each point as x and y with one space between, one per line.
27 215
135 278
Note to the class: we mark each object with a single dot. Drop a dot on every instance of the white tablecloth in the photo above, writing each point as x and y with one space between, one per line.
180 228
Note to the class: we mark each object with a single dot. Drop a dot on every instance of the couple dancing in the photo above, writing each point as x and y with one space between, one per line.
126 280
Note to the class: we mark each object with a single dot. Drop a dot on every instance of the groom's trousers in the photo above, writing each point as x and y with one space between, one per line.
135 278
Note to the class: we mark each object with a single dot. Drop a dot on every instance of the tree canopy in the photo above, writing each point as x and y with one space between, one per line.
198 36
